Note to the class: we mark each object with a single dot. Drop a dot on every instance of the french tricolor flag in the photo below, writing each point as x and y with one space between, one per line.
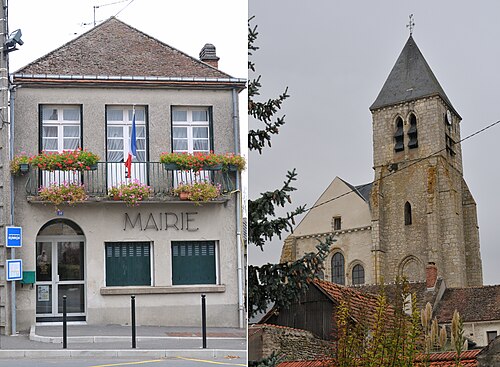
132 153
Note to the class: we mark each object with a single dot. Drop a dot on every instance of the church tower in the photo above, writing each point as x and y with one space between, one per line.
423 214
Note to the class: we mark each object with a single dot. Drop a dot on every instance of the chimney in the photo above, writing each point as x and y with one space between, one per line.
431 272
207 55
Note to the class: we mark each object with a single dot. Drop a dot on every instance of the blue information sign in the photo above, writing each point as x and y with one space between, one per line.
14 236
14 269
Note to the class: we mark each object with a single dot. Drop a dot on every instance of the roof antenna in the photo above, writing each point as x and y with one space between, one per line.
411 24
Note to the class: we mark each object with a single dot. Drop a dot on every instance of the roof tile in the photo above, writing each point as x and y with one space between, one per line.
114 48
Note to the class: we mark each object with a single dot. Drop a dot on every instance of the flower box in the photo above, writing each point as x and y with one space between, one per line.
131 193
213 167
24 167
68 160
197 191
203 161
170 166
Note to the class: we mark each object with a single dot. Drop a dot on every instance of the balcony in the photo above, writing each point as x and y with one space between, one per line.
108 174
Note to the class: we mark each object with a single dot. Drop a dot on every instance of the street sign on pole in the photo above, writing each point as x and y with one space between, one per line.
14 269
13 236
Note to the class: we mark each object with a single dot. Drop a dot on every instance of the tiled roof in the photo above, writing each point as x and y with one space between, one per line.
410 78
447 359
362 305
418 288
473 304
114 48
436 360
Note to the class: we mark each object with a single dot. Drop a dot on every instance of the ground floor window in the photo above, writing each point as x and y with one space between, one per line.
193 262
128 263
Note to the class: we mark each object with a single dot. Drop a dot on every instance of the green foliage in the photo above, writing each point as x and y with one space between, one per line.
282 284
17 161
261 111
274 283
458 342
384 337
198 191
131 193
271 361
68 160
198 160
69 193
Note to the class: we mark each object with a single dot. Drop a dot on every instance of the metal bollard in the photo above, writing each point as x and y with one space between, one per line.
204 320
132 302
65 324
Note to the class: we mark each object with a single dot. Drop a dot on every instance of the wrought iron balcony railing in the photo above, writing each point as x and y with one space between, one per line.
109 174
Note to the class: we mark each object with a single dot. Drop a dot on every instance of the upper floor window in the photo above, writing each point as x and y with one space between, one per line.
412 132
61 128
358 274
407 213
338 266
119 132
399 136
191 130
337 223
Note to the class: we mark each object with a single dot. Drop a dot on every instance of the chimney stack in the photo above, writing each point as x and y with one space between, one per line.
431 274
208 55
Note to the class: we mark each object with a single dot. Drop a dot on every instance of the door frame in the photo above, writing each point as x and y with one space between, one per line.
74 316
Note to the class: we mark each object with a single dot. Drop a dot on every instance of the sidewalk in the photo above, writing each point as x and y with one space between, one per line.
116 341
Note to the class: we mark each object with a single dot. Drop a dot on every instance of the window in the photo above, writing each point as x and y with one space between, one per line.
337 223
358 274
491 335
399 136
193 262
412 133
407 213
118 132
338 273
449 145
191 130
128 263
61 128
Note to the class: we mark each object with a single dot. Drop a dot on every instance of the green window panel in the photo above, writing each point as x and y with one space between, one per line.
128 263
193 262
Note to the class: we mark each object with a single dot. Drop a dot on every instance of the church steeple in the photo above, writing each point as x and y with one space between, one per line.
411 78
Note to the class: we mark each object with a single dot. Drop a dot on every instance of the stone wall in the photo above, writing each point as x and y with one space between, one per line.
292 344
430 179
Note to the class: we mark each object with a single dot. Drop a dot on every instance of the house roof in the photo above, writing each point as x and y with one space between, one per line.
113 48
411 78
464 300
446 359
363 191
362 305
392 290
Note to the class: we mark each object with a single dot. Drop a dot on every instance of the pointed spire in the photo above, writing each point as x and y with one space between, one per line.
411 78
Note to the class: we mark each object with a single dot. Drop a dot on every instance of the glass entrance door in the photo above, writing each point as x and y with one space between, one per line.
60 272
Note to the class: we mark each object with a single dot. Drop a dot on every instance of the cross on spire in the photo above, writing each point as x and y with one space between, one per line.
411 24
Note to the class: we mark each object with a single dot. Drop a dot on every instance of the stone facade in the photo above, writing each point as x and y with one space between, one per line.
418 210
434 187
292 344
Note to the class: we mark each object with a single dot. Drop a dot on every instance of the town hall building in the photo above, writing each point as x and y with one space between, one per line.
418 212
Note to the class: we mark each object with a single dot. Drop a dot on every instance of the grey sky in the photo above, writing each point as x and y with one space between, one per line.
335 56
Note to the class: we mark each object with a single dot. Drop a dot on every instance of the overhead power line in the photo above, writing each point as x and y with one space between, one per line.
403 168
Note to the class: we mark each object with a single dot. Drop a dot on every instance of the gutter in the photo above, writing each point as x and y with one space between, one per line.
129 78
236 129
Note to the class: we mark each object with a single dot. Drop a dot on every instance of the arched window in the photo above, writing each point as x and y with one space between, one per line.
412 133
399 136
407 213
358 274
338 272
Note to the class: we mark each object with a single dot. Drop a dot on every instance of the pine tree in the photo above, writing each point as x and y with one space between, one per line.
278 284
